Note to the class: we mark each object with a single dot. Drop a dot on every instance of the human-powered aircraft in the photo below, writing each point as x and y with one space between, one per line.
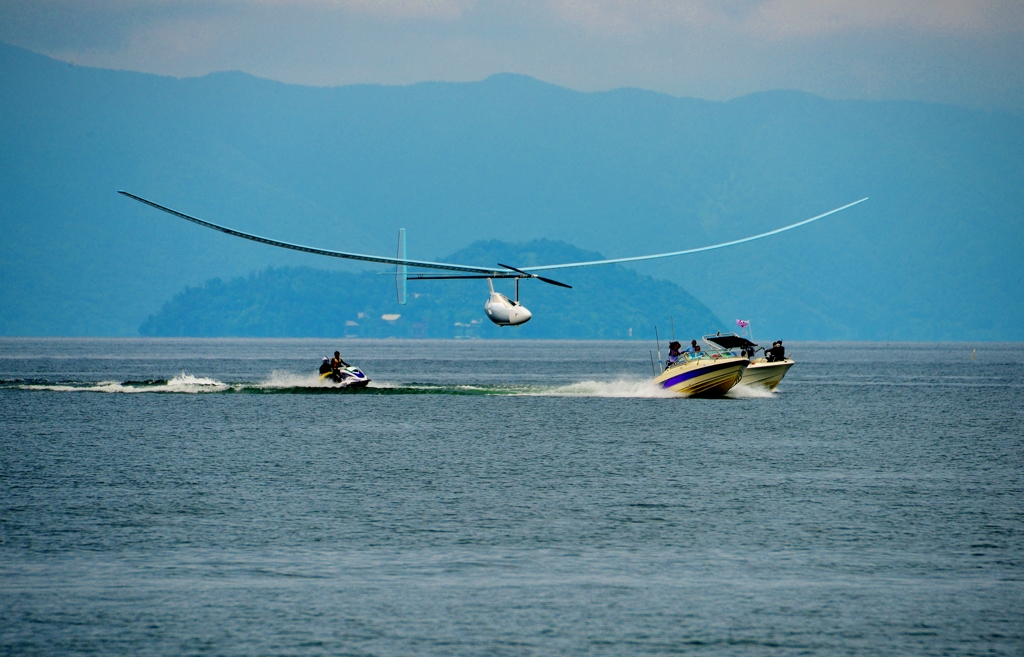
500 309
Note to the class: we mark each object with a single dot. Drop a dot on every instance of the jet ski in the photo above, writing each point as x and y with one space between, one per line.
761 371
346 377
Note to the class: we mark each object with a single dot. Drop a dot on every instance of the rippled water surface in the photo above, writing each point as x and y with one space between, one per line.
182 497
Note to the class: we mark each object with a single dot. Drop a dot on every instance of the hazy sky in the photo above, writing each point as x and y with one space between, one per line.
967 52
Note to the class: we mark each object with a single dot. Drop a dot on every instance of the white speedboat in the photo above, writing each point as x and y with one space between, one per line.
704 374
761 371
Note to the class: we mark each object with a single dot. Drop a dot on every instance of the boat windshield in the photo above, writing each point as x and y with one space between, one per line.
728 341
712 354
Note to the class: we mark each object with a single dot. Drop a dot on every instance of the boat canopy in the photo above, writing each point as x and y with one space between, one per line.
728 341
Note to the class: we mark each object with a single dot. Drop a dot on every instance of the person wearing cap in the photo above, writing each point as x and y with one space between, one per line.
325 366
693 348
776 353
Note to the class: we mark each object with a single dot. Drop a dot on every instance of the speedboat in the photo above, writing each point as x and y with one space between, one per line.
346 377
761 371
703 374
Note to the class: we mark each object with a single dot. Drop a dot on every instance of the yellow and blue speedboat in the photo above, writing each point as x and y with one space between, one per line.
704 374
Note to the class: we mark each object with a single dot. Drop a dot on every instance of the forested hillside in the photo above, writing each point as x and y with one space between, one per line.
607 302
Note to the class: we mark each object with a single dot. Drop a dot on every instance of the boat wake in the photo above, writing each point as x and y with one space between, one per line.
641 388
290 383
183 383
750 392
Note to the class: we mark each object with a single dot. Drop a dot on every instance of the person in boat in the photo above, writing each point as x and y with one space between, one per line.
693 348
776 353
673 353
325 366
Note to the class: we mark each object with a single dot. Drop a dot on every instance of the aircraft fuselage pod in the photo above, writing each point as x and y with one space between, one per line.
503 311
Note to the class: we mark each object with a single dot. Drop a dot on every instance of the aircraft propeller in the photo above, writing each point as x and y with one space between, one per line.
539 278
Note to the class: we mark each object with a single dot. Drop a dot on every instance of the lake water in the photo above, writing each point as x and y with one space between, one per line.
180 497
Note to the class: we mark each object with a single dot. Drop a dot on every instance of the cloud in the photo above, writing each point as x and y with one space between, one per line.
387 9
789 18
782 18
625 18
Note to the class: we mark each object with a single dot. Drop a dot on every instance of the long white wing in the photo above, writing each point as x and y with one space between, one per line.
499 272
696 250
324 252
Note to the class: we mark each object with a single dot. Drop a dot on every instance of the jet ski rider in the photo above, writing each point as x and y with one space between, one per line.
338 363
332 368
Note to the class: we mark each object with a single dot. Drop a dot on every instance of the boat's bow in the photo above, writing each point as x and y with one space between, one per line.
760 372
703 375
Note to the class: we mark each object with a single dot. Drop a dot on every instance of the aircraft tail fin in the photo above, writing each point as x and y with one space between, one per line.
401 271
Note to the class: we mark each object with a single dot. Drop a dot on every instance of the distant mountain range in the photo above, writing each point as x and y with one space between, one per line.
605 303
935 254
